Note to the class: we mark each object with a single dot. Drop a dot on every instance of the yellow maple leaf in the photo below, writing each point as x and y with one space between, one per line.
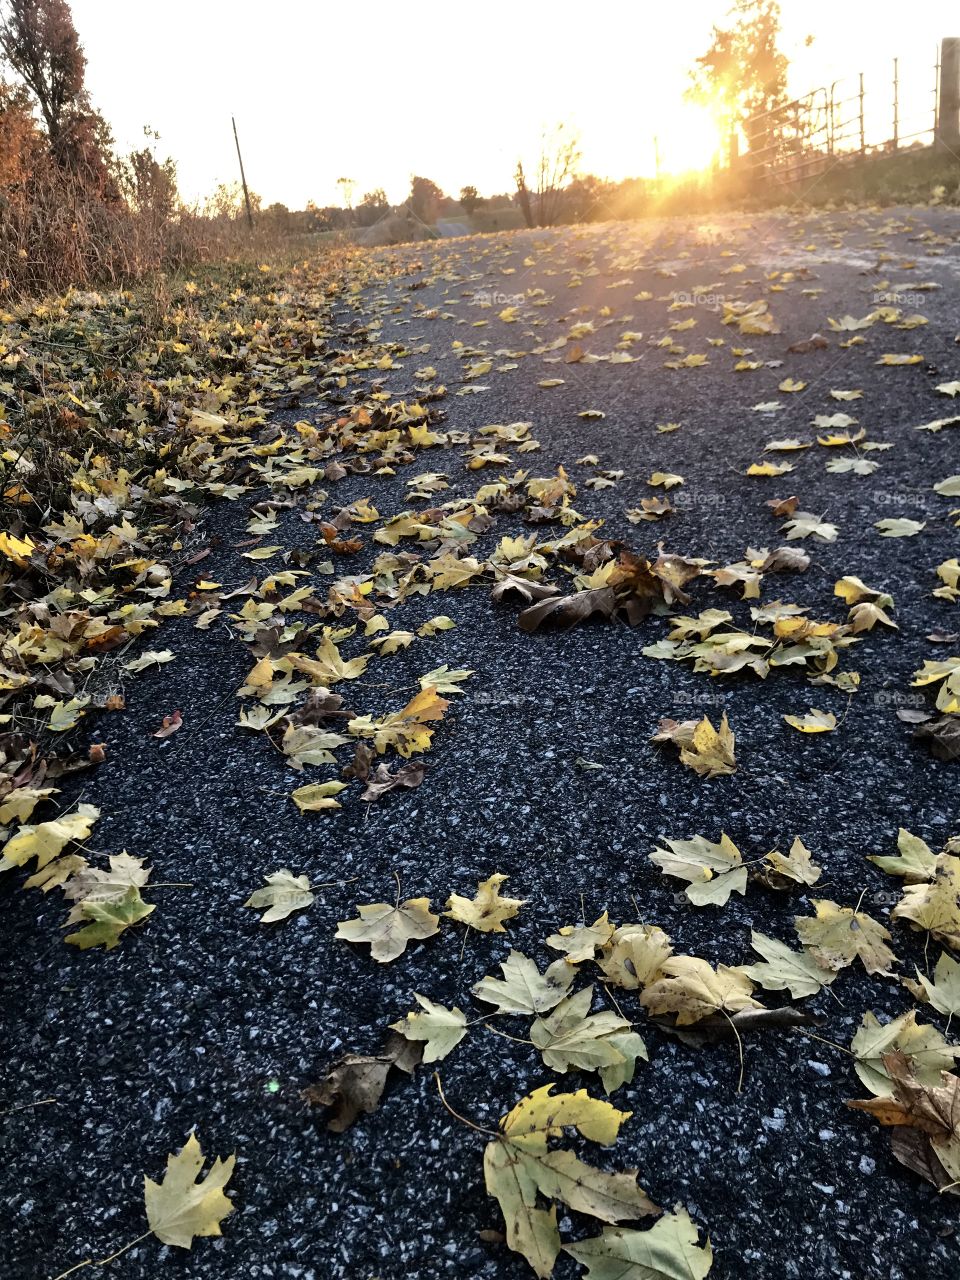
179 1207
486 911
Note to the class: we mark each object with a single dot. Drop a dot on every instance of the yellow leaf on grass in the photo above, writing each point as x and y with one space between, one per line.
18 550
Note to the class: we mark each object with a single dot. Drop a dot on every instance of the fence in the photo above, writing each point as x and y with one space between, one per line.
848 119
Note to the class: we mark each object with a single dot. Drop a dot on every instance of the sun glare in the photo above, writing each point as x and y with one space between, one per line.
690 140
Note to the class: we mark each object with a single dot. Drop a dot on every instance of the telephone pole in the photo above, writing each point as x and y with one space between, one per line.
243 177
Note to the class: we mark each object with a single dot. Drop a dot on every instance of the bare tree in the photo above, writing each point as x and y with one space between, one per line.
347 187
556 168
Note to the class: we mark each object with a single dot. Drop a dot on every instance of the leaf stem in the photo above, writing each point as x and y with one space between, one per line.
101 1262
456 1115
25 1106
507 1036
733 1028
832 1043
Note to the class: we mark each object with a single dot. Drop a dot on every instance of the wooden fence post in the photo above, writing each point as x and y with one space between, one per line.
948 111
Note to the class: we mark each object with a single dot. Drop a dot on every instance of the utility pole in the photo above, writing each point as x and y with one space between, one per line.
243 176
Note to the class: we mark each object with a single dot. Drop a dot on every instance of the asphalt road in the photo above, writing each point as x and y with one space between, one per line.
205 1018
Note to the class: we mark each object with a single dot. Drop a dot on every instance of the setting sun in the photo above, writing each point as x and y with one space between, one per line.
689 141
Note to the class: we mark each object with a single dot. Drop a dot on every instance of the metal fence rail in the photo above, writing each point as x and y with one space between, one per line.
801 138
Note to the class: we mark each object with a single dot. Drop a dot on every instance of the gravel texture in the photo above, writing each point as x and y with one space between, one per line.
204 1018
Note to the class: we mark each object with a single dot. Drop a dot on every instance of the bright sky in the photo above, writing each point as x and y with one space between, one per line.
377 90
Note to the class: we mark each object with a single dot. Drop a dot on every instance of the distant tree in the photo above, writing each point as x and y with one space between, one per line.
470 200
556 167
743 73
39 41
329 218
523 194
425 197
587 199
347 187
150 185
279 217
227 203
372 207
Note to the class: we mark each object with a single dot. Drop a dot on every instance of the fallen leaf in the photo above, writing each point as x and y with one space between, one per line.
813 721
170 724
179 1207
487 911
354 1084
519 1166
440 1028
692 990
704 749
523 988
284 893
927 1119
388 929
785 970
317 796
839 935
713 870
670 1250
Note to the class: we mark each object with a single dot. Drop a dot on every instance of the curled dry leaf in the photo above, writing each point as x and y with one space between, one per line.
926 1119
169 725
706 750
382 781
354 1084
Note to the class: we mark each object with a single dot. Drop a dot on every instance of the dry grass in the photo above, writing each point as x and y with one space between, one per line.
56 233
